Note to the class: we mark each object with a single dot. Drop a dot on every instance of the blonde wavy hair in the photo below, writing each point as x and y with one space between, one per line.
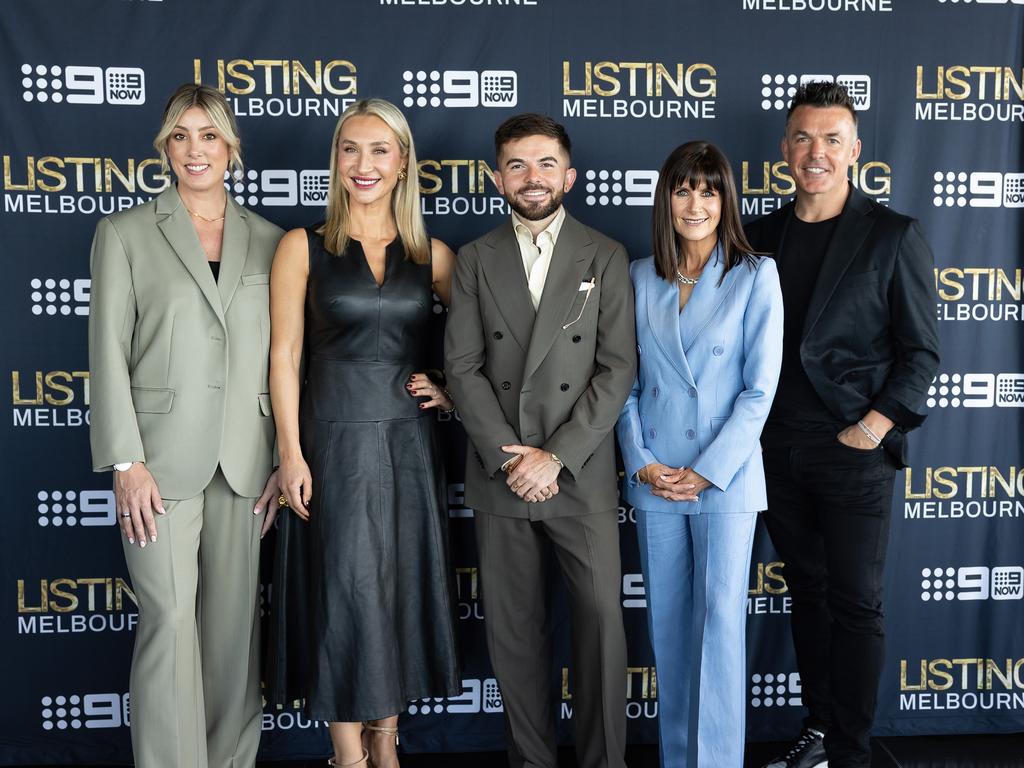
405 198
216 107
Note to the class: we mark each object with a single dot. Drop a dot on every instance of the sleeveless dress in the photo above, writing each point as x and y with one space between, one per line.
362 615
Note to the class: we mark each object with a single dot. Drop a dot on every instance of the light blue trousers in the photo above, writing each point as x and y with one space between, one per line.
696 569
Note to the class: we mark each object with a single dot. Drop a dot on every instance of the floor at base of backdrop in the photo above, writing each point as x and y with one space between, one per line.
1002 751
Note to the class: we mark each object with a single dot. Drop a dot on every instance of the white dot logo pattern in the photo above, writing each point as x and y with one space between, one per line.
421 88
52 296
778 90
57 508
42 83
937 584
604 187
945 391
950 189
244 186
61 712
773 690
426 707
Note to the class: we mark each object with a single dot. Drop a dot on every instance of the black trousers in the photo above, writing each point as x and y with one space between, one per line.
828 517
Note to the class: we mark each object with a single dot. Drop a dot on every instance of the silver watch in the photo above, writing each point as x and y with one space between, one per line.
123 467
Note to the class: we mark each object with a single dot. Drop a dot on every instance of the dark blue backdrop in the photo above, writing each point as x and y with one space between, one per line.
941 89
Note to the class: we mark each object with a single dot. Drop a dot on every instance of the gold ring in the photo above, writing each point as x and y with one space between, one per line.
282 501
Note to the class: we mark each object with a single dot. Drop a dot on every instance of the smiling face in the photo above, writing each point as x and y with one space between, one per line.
197 152
820 145
534 174
695 215
369 159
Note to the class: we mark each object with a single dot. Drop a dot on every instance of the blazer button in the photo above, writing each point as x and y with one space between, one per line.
690 434
564 387
652 433
654 391
577 339
499 335
717 351
692 392
506 385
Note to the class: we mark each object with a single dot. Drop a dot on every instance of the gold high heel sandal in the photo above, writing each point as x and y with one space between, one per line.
361 761
381 729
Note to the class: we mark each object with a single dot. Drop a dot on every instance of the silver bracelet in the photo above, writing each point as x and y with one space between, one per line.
870 435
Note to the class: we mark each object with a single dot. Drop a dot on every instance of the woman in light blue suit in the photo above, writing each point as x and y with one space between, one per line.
709 333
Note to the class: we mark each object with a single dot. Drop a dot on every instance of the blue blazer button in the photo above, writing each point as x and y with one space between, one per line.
690 434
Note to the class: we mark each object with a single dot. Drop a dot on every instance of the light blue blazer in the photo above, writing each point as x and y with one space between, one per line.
705 383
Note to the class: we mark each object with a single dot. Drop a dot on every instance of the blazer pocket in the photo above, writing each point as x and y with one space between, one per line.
152 400
256 279
265 407
581 305
859 279
716 425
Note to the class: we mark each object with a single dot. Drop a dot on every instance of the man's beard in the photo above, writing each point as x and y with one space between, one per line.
536 211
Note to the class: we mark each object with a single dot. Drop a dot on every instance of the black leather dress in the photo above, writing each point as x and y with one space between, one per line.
362 604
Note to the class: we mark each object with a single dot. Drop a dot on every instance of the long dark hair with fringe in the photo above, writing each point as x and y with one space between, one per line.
697 163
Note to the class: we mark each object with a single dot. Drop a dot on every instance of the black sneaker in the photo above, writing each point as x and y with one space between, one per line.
808 751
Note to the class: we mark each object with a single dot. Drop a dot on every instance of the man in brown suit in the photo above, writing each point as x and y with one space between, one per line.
540 352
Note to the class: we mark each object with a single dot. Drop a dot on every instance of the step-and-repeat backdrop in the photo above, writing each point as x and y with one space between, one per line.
940 88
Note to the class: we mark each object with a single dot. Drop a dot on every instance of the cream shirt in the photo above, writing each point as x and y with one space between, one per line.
537 254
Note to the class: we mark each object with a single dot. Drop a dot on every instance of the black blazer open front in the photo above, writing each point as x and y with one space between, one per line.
870 339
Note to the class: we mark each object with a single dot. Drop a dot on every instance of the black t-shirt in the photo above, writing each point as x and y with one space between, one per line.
798 415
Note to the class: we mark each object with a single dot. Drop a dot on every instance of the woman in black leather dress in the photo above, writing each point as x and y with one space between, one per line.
362 594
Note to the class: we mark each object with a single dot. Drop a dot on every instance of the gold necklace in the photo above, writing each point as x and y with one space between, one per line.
199 215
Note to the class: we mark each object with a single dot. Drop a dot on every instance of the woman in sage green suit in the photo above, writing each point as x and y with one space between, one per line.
178 360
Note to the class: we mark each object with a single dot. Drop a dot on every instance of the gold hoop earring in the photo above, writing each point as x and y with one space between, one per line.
402 174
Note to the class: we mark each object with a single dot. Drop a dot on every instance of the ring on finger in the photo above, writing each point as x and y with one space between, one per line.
126 514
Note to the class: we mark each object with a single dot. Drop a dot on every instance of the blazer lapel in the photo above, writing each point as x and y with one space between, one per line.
707 297
233 251
851 231
574 251
507 279
181 235
663 317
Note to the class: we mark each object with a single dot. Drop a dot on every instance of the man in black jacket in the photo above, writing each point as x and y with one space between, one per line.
859 352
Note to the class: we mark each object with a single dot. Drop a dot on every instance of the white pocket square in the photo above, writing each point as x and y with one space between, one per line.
587 285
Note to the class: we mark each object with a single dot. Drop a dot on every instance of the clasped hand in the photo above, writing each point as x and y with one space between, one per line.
682 484
532 477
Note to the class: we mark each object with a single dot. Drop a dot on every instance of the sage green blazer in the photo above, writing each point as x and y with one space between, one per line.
179 361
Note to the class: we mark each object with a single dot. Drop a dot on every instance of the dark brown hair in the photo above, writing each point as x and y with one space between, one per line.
697 163
822 94
530 124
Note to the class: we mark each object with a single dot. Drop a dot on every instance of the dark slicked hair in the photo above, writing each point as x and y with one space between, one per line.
695 164
531 124
822 94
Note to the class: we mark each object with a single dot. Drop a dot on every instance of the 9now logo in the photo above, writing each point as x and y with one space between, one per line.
71 508
617 187
279 187
461 88
778 90
980 189
977 582
62 296
775 690
83 85
91 711
977 390
477 696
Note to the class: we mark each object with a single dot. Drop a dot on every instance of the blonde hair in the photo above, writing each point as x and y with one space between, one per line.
213 103
405 198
